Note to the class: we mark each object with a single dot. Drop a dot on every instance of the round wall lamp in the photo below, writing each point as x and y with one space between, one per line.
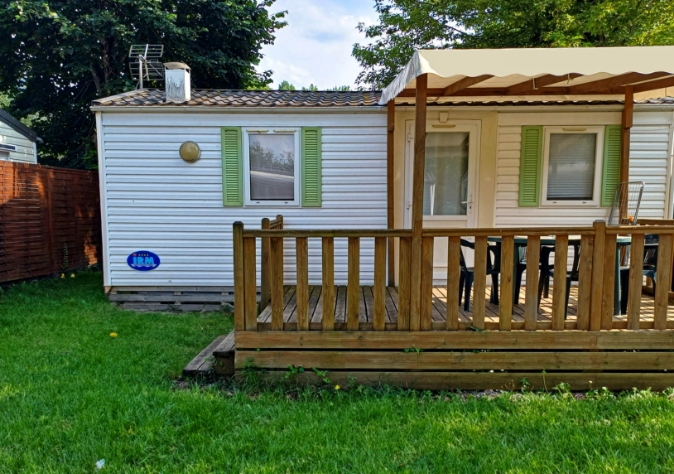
190 152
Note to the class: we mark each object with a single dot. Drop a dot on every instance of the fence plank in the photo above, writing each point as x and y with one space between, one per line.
531 298
480 283
559 285
664 280
608 289
596 300
585 282
635 282
328 252
415 284
250 291
404 284
353 288
379 319
302 298
426 287
276 283
453 274
239 278
505 312
265 290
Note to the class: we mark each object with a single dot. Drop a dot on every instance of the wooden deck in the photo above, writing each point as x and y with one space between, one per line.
439 306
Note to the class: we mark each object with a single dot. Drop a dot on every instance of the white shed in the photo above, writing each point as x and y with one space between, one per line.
17 142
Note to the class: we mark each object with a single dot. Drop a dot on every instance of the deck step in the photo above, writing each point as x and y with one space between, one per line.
224 356
204 362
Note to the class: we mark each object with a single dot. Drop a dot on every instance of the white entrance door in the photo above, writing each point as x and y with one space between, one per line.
450 181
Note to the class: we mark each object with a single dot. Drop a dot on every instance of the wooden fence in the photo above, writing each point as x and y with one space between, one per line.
49 220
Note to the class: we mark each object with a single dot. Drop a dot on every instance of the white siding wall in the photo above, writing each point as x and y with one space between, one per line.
650 150
154 201
25 149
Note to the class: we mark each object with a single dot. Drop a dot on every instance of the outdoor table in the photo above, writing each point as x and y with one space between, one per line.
574 240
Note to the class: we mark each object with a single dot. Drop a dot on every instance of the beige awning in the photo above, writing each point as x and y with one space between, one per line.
541 73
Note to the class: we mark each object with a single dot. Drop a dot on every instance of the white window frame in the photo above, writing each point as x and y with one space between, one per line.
598 161
247 131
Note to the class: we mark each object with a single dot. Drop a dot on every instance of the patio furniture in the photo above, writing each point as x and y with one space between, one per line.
649 270
626 203
547 271
468 273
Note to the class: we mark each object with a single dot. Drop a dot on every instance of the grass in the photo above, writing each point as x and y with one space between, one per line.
71 395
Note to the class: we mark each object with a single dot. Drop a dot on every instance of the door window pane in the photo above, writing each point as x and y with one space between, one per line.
272 167
571 166
446 174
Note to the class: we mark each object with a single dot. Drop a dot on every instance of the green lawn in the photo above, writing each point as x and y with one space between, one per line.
71 395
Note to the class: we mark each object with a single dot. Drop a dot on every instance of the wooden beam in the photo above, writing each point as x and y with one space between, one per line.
419 156
627 121
537 83
466 82
615 81
417 201
653 85
390 188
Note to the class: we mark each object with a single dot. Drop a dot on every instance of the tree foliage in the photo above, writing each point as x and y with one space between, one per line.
406 25
59 55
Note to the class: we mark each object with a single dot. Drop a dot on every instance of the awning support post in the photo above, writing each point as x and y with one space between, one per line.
418 200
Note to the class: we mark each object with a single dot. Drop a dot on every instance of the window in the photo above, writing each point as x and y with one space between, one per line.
271 166
572 165
4 155
446 174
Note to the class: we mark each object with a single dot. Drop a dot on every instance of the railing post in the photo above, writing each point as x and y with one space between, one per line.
353 287
559 286
480 282
276 259
585 267
506 291
404 284
453 274
664 266
265 292
239 278
531 298
302 292
250 283
608 289
379 320
426 287
635 281
597 274
328 273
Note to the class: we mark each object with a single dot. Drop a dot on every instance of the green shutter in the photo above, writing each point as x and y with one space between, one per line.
531 156
611 166
311 167
232 167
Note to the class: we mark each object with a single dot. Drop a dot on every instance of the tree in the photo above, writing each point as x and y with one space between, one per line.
286 86
406 25
311 87
59 55
340 88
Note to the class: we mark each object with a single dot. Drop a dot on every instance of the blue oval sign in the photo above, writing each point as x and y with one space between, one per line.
143 260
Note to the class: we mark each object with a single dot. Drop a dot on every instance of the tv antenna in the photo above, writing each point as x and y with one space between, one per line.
144 63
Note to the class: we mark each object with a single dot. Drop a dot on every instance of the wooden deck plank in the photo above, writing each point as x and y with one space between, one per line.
438 307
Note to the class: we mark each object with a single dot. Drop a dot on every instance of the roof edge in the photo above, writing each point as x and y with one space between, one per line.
17 126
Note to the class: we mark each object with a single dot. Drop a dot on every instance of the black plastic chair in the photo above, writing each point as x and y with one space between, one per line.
468 273
548 272
650 269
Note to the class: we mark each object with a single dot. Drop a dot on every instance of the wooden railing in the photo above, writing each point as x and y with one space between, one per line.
596 279
265 274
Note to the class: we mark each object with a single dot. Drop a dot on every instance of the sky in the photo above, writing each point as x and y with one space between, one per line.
315 46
